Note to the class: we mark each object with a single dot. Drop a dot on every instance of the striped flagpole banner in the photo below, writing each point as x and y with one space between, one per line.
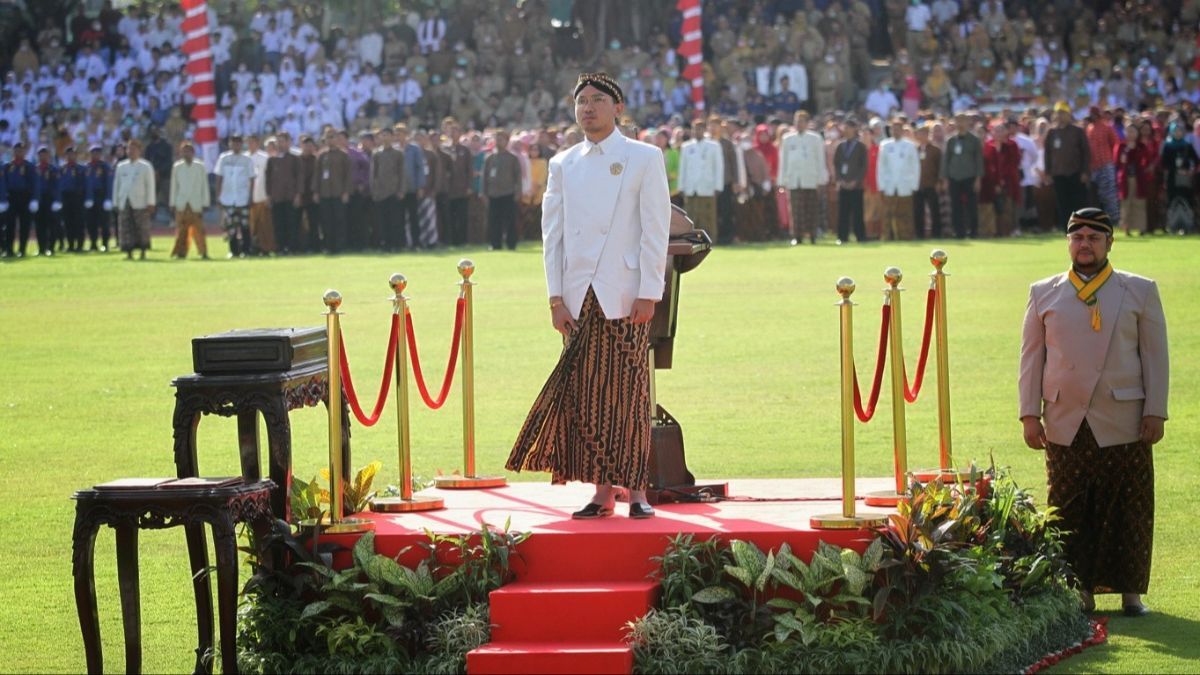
198 49
691 50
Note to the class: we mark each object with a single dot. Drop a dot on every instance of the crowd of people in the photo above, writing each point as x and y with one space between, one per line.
883 119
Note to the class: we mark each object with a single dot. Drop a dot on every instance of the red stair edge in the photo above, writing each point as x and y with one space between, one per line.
535 658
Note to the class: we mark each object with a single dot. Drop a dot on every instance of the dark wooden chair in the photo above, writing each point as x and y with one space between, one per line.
130 510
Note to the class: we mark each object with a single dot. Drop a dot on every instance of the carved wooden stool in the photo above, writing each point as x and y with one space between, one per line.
130 510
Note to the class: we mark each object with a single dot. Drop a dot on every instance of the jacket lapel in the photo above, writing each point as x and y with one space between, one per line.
609 189
1110 296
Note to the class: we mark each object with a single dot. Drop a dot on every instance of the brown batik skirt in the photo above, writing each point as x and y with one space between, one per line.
1105 497
591 422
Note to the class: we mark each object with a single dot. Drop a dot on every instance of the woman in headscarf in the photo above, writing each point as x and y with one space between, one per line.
910 101
531 199
1179 161
755 207
1133 162
1045 201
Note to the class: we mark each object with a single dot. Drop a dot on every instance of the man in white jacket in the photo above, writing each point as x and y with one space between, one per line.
899 175
134 199
802 170
701 178
605 223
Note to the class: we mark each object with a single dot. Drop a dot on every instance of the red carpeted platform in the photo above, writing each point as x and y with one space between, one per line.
579 582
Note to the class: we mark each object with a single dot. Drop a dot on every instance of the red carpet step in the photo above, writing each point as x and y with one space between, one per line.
568 612
562 627
540 657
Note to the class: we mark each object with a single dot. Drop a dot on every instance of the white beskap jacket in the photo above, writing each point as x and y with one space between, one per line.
606 217
802 161
899 169
701 168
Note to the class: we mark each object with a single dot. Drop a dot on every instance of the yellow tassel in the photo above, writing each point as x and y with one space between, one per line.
1096 317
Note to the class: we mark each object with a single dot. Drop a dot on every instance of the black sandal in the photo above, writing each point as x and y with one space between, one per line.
1134 611
638 511
592 512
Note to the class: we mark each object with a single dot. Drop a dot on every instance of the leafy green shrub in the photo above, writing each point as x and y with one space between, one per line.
455 633
376 615
953 582
671 641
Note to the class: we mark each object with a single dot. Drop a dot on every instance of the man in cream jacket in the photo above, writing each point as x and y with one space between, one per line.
1093 392
899 175
605 224
134 199
802 170
701 177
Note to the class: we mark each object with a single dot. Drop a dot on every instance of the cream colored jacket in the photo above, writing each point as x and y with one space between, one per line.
133 181
1113 377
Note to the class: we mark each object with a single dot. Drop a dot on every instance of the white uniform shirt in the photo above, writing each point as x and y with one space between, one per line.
1029 160
236 172
899 169
260 158
802 161
701 168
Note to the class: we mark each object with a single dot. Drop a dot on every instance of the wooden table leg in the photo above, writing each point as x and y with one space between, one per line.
83 567
131 601
225 543
198 555
247 423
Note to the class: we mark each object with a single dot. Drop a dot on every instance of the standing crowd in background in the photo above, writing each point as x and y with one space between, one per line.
842 119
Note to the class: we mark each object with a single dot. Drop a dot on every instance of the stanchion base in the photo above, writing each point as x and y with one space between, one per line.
343 526
402 505
947 475
469 482
889 498
838 521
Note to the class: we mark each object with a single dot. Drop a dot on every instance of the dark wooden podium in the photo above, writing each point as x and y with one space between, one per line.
670 479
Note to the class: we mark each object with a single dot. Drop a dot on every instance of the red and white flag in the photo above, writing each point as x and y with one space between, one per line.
691 49
200 69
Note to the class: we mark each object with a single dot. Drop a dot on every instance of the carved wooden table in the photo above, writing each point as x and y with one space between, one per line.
271 394
246 396
128 511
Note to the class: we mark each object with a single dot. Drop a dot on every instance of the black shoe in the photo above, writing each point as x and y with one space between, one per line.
1134 611
592 511
639 511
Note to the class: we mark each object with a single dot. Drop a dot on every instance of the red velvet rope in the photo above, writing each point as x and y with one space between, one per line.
877 383
1099 636
910 395
352 397
459 313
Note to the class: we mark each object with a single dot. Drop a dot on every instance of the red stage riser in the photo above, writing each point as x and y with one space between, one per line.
579 582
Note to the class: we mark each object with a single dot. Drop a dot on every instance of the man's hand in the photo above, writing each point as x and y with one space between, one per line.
560 318
643 311
1086 177
296 201
1152 429
345 197
1035 434
978 184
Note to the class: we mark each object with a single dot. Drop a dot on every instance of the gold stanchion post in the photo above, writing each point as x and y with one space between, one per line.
848 519
945 468
336 524
468 480
406 502
893 276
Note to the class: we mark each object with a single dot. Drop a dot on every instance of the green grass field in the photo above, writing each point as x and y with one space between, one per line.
88 346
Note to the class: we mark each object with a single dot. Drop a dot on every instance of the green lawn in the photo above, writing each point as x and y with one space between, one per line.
88 346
